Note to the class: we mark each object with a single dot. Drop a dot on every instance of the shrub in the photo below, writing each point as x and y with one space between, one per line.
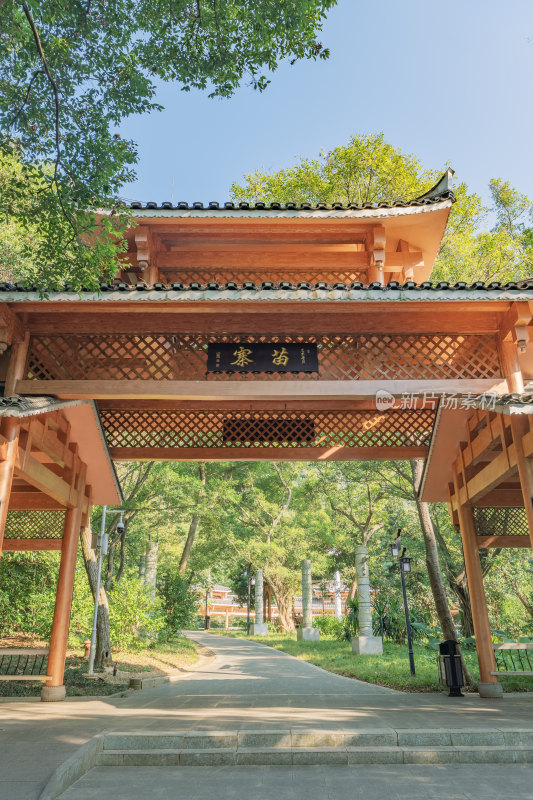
329 626
180 604
133 615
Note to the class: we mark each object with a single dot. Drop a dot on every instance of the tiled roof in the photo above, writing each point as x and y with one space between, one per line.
441 191
20 407
459 287
244 206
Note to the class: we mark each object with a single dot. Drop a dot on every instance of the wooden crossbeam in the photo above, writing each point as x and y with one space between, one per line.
26 545
503 541
334 453
244 390
31 500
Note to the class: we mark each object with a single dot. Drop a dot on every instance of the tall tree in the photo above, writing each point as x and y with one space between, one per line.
276 528
488 243
71 72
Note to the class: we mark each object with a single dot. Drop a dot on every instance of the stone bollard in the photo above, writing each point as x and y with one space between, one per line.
337 590
365 644
259 627
306 633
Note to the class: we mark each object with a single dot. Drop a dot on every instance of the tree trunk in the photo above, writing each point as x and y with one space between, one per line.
188 544
192 529
150 572
459 587
103 631
286 619
352 591
433 565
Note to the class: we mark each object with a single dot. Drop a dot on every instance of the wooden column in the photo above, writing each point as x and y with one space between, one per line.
520 427
511 367
17 364
10 430
489 685
54 689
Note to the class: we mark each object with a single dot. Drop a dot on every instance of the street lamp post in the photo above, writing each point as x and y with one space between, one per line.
207 608
405 567
101 545
248 576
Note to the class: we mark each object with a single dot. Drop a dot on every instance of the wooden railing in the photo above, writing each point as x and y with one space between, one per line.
25 664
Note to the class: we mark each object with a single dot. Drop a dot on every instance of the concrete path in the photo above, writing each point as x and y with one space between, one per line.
450 782
248 685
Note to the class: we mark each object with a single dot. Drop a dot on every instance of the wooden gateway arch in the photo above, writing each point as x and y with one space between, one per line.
270 332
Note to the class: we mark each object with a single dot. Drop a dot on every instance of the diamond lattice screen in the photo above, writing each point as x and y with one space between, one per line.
494 521
257 276
35 524
256 429
164 356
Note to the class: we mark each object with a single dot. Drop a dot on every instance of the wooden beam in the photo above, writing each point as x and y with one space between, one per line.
503 541
12 545
503 498
275 318
32 501
43 479
334 453
251 390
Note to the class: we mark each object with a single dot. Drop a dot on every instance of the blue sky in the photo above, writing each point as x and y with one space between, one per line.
447 81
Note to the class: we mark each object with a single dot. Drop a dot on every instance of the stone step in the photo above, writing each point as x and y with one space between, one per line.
300 756
141 741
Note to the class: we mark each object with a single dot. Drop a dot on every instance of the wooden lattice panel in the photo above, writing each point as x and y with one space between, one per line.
257 276
427 357
164 356
255 429
499 521
42 524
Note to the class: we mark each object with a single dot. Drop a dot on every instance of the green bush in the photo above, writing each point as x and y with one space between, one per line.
329 626
180 604
133 615
27 593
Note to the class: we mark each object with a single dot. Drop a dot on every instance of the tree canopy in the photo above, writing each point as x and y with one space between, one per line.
70 73
481 242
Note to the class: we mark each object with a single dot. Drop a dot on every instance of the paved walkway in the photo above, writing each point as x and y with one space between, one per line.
248 685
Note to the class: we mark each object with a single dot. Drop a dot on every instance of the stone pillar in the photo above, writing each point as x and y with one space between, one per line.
365 644
306 632
260 628
337 589
150 570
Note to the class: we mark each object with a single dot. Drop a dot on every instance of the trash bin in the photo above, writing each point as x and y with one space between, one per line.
450 667
207 622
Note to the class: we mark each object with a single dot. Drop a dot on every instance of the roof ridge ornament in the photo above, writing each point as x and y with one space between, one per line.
442 187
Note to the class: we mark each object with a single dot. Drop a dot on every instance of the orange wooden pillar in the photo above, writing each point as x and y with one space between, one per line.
10 430
54 689
520 427
489 686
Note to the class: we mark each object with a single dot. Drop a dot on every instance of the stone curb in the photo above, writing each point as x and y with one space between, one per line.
206 656
314 756
73 768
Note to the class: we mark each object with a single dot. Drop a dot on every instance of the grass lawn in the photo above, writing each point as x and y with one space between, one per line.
391 669
161 660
